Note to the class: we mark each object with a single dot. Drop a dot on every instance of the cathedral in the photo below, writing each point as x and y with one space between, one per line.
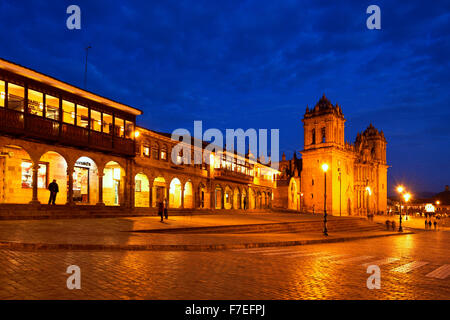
356 179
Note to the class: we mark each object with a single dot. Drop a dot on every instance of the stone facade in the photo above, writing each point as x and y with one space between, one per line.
357 174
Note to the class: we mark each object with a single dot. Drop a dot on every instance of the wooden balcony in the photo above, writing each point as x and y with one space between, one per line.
47 130
225 174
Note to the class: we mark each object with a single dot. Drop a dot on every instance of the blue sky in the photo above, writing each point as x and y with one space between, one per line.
257 64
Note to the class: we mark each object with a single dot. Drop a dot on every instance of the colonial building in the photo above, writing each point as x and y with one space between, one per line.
356 179
51 130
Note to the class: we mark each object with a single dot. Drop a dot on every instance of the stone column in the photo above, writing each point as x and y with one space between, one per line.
70 170
35 199
182 196
100 188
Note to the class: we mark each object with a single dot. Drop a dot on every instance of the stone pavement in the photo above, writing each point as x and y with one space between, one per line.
412 222
114 233
323 271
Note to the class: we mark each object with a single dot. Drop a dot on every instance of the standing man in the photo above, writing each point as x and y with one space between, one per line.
166 212
54 189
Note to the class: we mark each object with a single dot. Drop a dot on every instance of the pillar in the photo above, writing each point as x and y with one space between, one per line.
35 199
100 188
182 195
70 170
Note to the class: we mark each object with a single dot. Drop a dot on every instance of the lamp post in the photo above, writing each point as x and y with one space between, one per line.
400 190
325 169
340 192
437 205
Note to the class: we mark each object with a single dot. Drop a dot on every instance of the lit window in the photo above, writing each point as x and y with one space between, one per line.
27 175
129 129
68 112
96 120
2 93
51 107
82 116
16 97
163 155
146 152
119 127
107 123
35 102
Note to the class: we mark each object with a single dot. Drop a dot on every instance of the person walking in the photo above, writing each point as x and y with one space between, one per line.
161 210
429 224
426 224
166 212
435 225
54 189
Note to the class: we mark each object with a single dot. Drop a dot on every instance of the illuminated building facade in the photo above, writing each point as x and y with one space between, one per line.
357 174
50 130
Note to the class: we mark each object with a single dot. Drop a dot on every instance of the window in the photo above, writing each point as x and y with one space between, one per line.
68 112
107 123
2 93
51 107
35 102
16 97
164 153
27 175
96 121
323 135
313 133
129 129
82 116
312 182
146 151
119 127
155 152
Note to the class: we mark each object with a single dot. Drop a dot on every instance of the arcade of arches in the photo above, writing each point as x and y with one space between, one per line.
88 179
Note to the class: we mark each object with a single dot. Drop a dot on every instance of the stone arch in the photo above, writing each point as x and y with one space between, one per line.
218 196
258 200
188 195
56 166
16 182
228 197
252 198
175 193
159 189
293 195
85 181
141 191
113 183
237 198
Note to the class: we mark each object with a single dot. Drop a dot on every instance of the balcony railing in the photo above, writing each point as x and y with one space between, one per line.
232 175
32 126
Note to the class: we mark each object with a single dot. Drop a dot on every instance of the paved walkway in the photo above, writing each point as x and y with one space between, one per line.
412 222
114 233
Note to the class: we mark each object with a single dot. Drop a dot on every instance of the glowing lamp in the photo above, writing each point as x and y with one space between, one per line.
400 189
325 167
407 196
137 134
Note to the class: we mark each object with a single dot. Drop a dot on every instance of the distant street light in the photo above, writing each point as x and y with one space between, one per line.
325 169
406 197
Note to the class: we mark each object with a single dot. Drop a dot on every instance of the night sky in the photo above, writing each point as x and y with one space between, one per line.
257 64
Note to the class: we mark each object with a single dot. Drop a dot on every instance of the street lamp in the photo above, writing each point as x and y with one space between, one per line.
400 190
325 169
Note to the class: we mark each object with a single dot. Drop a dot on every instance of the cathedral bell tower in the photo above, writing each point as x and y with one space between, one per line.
324 142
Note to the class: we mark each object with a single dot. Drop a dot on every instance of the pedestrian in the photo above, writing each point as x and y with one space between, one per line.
393 225
166 212
435 225
54 189
161 210
426 224
429 224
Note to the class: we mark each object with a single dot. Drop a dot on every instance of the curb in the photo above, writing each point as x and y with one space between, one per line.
174 247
